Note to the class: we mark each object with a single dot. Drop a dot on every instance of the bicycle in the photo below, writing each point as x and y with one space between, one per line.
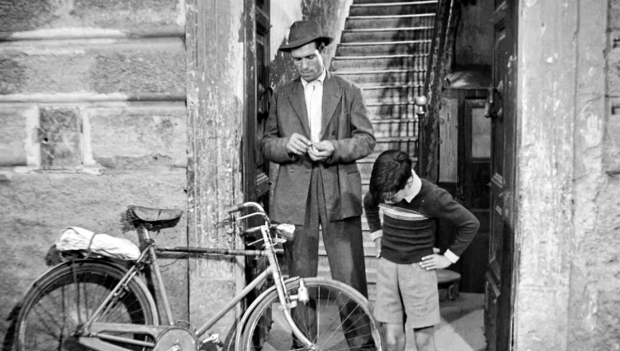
101 304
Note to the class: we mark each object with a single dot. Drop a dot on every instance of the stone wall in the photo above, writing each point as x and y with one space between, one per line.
92 107
107 103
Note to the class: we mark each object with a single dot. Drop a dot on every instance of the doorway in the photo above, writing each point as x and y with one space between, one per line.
485 180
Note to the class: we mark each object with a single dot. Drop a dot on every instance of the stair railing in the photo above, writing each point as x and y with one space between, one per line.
438 65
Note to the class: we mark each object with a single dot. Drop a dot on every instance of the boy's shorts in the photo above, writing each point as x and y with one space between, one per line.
409 285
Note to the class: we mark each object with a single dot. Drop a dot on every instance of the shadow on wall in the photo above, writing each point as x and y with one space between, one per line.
331 15
7 343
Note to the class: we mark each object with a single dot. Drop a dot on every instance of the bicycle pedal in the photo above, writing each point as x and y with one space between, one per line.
214 339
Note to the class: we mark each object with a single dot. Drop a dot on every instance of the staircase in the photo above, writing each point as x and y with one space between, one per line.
384 49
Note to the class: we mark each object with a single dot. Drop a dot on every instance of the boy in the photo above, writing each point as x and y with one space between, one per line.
406 279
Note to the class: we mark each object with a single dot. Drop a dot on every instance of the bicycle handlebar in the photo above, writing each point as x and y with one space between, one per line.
250 230
241 206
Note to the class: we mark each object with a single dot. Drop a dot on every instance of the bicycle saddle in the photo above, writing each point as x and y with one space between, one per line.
155 215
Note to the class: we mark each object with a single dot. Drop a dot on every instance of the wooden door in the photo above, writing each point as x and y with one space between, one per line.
473 189
502 111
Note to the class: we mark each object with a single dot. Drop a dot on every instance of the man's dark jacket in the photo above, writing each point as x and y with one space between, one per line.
345 123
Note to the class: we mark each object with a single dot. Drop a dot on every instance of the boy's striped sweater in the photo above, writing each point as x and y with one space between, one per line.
409 228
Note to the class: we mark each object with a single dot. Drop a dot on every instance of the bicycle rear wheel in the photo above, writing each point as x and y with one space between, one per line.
336 318
65 297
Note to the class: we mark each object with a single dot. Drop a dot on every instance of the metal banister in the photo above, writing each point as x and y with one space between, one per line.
439 60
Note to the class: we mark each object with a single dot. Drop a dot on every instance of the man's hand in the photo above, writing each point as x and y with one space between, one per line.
435 261
297 144
321 151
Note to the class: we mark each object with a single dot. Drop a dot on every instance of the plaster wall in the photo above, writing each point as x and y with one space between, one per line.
215 42
568 288
92 108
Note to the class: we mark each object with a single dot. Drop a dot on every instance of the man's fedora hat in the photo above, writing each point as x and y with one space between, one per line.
302 33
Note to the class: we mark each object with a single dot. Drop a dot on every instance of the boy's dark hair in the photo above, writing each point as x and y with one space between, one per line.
390 174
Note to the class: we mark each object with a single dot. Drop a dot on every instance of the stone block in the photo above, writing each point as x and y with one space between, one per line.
60 136
614 15
135 69
18 135
138 136
613 63
153 67
612 144
27 15
12 74
23 15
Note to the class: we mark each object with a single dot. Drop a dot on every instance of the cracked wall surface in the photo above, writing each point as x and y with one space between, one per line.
568 235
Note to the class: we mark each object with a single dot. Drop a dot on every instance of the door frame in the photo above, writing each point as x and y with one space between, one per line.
501 273
255 172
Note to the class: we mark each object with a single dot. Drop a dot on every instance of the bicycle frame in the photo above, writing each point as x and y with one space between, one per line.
94 334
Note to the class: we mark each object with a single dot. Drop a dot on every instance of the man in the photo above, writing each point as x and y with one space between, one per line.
318 127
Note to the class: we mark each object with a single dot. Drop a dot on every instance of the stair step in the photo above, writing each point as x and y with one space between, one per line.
372 157
384 48
369 248
392 93
366 167
367 241
395 127
406 144
385 2
386 34
391 100
384 76
391 21
389 111
393 3
379 62
394 8
399 139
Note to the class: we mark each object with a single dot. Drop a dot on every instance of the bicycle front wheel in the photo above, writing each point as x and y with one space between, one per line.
337 317
63 299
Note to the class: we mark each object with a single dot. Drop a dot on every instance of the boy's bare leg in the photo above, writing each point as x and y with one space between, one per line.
425 338
395 338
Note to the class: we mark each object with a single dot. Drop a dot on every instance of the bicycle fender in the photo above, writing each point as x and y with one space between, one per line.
33 284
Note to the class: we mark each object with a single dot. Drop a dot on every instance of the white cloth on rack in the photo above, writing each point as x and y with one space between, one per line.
80 239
